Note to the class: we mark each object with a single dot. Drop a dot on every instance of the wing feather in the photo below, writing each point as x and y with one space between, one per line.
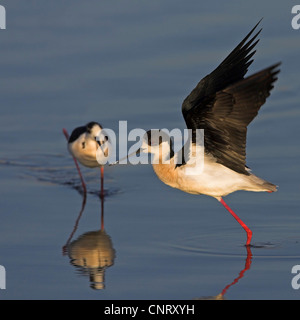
224 103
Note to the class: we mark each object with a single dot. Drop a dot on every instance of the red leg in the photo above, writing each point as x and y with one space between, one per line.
249 232
102 214
102 181
80 175
65 132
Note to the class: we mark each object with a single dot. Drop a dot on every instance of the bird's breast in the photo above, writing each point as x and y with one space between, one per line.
85 152
167 173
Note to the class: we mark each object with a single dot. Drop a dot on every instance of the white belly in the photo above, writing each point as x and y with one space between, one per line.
213 180
85 152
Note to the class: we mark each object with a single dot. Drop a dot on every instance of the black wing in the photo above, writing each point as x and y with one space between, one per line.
231 70
224 103
76 133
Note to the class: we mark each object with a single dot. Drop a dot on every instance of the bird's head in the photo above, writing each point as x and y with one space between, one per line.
156 142
93 130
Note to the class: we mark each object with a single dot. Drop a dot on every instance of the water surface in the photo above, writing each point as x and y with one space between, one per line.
64 64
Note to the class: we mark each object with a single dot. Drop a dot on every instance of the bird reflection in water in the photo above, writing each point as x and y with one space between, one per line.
92 252
221 295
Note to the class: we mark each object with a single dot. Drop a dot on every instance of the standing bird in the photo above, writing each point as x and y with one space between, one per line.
223 104
85 145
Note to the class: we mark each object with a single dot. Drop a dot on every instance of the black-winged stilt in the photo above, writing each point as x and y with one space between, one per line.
223 104
85 146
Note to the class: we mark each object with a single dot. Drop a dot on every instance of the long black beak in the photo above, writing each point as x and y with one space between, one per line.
127 157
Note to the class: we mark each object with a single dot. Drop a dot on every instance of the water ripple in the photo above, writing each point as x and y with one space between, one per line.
57 169
213 245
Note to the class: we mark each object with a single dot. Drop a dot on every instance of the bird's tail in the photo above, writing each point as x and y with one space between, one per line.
258 184
270 187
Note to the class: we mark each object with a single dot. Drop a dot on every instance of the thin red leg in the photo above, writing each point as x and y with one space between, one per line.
76 164
102 214
65 132
248 231
80 175
102 181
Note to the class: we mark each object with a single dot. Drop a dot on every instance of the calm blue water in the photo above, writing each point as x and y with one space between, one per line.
64 64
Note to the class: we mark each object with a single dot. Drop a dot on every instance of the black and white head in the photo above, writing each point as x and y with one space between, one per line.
157 142
86 133
93 131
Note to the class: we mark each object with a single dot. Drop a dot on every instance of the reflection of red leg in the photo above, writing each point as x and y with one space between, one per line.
249 232
102 181
65 247
65 132
241 274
